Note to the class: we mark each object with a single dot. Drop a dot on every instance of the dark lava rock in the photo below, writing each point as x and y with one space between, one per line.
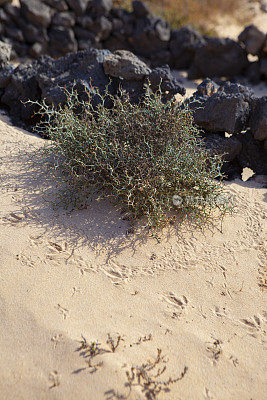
237 89
258 118
253 39
21 88
125 65
227 110
5 75
85 21
82 33
62 41
5 53
59 5
252 72
219 57
252 154
36 12
37 49
22 49
85 44
160 58
183 45
65 18
12 11
14 33
84 67
116 42
162 78
47 79
78 6
150 35
227 147
140 9
102 27
4 17
207 87
32 33
263 68
101 7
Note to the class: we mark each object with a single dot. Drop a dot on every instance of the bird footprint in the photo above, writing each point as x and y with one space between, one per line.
179 303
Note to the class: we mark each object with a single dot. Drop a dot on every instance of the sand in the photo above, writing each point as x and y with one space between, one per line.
197 296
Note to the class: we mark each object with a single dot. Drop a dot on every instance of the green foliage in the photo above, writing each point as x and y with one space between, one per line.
138 155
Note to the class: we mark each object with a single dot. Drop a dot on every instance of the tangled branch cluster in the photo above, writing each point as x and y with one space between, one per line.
140 155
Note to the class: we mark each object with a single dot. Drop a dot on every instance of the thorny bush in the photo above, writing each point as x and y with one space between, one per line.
139 155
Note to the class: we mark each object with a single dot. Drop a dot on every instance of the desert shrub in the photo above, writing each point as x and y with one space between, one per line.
139 155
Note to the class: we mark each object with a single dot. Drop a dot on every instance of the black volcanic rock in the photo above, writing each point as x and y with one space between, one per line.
253 39
36 12
47 79
149 35
100 7
78 6
64 18
162 78
59 5
226 147
252 154
22 87
218 57
183 46
227 110
62 40
140 9
125 65
258 118
5 75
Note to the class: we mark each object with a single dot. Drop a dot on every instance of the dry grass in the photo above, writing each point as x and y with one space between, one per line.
202 14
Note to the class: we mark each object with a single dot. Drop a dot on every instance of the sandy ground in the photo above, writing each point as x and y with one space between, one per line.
198 296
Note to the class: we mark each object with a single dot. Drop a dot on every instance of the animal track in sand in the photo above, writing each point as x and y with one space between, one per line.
117 273
220 312
63 311
214 350
262 278
255 325
58 253
56 339
15 217
179 303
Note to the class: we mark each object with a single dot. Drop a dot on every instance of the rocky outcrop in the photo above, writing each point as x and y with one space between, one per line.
224 110
59 27
46 78
234 124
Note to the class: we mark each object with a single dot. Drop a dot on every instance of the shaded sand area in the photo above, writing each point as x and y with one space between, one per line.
198 296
